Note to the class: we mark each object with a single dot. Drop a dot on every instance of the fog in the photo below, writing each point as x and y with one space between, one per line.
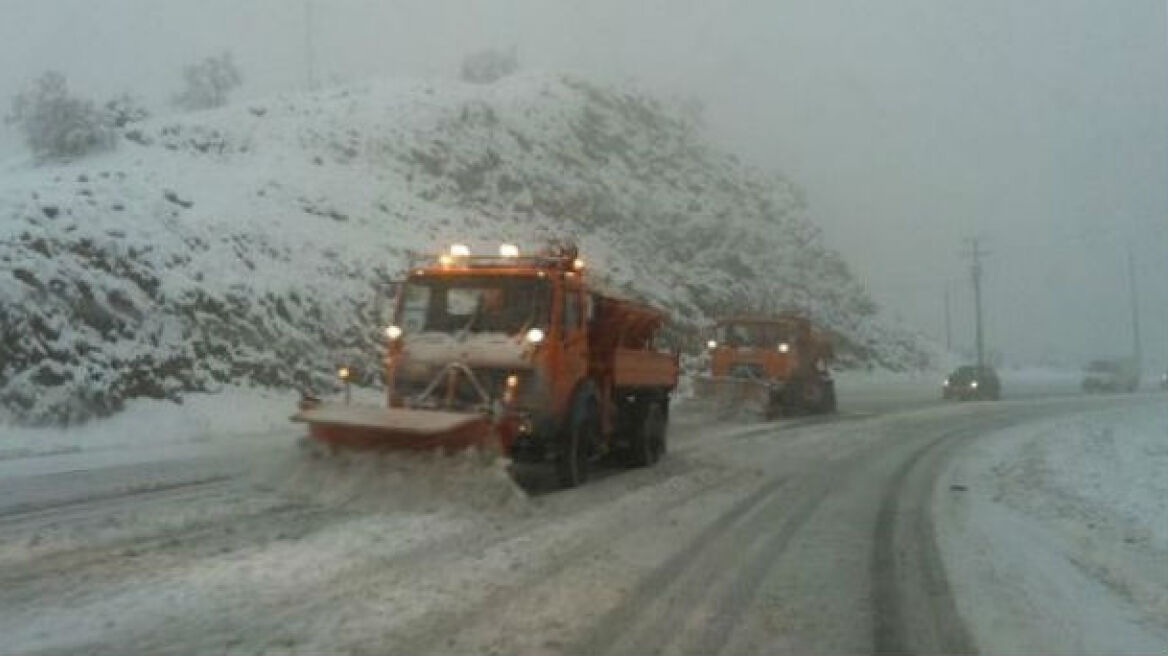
1038 127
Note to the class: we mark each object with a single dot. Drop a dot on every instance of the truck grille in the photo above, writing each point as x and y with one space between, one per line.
492 379
750 371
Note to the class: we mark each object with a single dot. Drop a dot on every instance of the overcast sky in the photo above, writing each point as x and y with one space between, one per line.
1040 126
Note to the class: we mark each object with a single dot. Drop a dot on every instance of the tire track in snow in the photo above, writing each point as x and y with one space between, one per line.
86 505
660 608
421 636
913 607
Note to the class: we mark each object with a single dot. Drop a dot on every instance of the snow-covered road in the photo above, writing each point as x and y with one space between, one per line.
896 526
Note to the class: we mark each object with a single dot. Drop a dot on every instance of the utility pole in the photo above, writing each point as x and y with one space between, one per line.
1137 347
309 50
948 322
976 254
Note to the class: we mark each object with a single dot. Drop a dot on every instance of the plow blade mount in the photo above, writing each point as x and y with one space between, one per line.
727 394
367 427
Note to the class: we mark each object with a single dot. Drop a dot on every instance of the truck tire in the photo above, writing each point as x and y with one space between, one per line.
647 442
777 405
575 440
663 434
801 397
829 405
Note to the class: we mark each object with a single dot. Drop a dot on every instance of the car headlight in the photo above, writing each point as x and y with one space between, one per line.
973 385
712 344
784 347
393 332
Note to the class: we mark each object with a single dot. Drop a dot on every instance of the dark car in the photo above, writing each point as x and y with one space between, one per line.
972 383
1115 375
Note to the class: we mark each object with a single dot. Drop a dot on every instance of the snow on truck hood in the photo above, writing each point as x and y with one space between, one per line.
478 349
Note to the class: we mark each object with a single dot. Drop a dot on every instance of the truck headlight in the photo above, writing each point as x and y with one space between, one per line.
712 344
784 347
393 332
511 389
535 336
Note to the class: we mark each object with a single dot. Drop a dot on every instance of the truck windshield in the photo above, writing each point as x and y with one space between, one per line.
767 335
474 304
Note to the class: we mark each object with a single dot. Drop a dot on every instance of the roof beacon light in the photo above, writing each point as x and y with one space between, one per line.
460 250
508 250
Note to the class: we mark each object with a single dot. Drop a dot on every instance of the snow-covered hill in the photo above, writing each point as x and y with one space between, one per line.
246 245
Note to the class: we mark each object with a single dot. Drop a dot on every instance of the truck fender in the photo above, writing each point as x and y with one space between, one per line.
572 456
582 396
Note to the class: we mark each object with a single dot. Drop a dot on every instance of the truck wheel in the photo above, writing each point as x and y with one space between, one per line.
829 403
776 406
814 397
662 435
572 451
648 439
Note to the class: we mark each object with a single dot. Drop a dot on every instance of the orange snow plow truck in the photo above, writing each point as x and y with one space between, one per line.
777 364
518 352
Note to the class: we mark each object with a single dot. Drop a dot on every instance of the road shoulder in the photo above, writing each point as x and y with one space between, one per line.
1051 533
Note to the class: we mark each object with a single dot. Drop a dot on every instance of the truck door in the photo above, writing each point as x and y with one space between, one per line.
574 338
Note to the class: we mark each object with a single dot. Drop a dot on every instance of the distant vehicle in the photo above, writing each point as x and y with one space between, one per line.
971 383
779 364
1114 375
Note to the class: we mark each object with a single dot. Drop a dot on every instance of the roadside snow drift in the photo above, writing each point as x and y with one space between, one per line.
1060 533
248 244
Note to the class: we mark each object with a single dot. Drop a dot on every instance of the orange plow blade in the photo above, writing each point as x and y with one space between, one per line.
725 394
367 427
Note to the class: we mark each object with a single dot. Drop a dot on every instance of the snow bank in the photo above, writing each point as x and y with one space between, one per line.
233 415
1060 531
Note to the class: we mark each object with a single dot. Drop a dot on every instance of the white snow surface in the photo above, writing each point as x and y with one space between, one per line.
1057 543
1060 540
248 244
233 414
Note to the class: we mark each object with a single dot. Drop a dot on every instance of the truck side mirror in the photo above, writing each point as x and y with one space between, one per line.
384 302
